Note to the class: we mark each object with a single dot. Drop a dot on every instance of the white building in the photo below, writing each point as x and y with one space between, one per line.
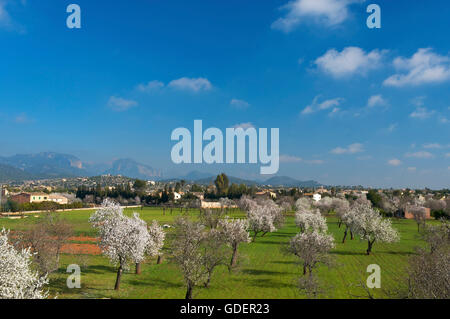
317 197
176 195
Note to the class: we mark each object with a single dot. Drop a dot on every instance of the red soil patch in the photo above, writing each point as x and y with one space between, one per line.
84 238
77 249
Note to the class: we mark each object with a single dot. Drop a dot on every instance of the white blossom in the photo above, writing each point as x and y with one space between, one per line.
310 220
17 279
234 231
122 239
311 248
371 226
157 236
303 203
261 219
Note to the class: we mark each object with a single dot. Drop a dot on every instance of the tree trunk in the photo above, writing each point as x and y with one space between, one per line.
369 248
304 269
119 276
138 268
208 281
233 257
189 291
351 235
159 260
345 236
340 223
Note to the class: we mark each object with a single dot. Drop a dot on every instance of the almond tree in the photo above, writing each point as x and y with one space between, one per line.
186 250
235 232
17 279
428 275
122 239
340 207
324 205
246 203
308 220
261 220
312 248
419 215
303 203
348 219
156 243
371 226
214 253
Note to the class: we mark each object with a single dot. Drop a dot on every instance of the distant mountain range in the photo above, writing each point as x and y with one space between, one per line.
131 168
55 165
207 179
290 182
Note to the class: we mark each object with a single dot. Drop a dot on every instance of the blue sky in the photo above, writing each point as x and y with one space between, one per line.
354 105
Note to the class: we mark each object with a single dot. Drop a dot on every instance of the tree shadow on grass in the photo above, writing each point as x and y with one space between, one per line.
99 269
258 272
263 242
400 253
269 283
156 282
277 234
348 253
286 262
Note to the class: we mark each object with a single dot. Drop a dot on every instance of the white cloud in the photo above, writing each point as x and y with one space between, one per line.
244 125
433 145
150 86
376 100
239 104
120 104
325 12
191 84
289 159
315 106
412 169
422 68
352 60
351 149
421 154
395 162
296 159
421 113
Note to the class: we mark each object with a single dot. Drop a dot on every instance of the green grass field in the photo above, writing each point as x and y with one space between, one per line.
264 271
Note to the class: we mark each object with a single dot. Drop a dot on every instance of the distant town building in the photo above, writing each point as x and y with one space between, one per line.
216 205
24 198
211 204
176 196
62 200
199 195
409 215
267 193
317 197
